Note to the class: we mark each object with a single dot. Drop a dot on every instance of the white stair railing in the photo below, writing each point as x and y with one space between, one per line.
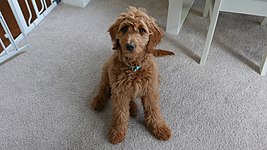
25 24
8 52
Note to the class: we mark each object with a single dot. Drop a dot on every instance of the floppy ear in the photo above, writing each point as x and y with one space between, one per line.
156 35
113 30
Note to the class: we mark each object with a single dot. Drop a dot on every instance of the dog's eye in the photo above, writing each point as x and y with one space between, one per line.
142 30
124 29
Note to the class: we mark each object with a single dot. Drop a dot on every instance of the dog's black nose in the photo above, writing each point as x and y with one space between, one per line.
130 46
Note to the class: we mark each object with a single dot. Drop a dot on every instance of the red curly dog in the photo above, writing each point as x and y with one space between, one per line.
131 72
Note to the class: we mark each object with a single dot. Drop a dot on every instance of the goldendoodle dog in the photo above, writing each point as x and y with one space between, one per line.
131 72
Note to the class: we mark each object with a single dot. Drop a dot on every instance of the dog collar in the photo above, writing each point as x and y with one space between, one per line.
134 68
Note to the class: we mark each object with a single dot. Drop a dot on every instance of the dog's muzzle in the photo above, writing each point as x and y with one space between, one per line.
130 46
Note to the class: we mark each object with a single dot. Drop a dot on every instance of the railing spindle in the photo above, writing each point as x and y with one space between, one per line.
30 12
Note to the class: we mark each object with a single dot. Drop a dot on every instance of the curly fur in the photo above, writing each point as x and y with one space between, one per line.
123 85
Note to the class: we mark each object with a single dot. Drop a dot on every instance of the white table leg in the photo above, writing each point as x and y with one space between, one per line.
213 22
174 16
206 9
263 67
264 21
177 12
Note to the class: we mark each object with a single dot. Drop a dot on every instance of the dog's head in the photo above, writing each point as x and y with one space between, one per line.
134 32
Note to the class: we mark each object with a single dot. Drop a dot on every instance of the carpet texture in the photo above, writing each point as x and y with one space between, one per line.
223 105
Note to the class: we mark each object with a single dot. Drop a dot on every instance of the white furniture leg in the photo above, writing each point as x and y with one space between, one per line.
177 13
206 9
174 16
264 21
263 67
213 22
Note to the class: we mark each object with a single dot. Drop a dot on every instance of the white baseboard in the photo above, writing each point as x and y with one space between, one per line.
79 3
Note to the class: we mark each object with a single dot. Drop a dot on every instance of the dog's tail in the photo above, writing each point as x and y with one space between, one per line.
160 52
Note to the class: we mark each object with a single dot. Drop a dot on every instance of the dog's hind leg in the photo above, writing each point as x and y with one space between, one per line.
103 93
153 117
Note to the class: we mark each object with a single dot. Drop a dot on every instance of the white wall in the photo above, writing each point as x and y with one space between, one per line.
80 3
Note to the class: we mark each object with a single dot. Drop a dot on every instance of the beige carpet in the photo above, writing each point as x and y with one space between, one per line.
222 105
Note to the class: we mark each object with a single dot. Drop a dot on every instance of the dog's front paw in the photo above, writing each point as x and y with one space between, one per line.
162 132
97 103
116 135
